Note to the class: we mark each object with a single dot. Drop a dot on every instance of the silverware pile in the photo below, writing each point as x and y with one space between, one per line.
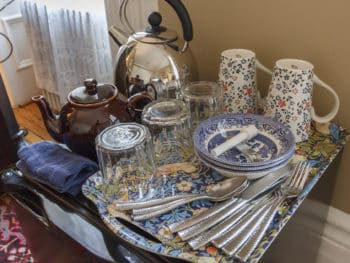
223 190
237 224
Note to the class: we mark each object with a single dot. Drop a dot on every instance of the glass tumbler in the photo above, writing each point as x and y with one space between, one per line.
204 100
169 123
125 156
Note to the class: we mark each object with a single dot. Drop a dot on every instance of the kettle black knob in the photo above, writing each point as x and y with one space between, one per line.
155 19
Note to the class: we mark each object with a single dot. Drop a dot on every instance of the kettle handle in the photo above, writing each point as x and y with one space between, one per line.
184 17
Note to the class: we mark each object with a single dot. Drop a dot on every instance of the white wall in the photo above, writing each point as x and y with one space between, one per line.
17 72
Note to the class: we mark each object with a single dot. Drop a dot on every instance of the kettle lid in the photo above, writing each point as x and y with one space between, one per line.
155 33
92 93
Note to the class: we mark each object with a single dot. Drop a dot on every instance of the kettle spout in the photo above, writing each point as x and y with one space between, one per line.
118 35
51 120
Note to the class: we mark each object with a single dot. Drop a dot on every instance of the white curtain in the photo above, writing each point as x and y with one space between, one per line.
69 45
70 39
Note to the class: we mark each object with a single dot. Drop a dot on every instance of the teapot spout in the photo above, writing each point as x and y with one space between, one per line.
51 120
118 35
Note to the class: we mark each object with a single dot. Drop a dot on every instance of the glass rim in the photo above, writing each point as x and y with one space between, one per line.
212 91
156 112
138 135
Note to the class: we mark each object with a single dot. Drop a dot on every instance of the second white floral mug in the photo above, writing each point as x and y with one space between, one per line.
289 98
237 78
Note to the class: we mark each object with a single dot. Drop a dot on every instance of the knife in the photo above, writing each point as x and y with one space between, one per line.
255 189
225 225
235 231
259 230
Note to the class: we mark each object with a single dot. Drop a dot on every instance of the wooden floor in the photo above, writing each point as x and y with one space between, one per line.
29 117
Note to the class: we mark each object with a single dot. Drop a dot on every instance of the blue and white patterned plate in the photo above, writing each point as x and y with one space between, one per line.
274 142
244 169
251 175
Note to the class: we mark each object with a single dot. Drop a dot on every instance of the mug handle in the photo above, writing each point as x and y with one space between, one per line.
335 108
267 71
263 68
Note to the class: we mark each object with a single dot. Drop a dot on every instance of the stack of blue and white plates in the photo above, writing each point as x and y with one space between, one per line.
273 146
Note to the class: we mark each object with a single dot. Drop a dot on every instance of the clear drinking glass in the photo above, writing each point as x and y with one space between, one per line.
169 123
204 100
125 156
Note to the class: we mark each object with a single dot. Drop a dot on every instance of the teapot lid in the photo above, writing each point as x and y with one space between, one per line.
92 93
155 33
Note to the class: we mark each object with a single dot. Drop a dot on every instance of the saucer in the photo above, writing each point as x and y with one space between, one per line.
243 168
274 142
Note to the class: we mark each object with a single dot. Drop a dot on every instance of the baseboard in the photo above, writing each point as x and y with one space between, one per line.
337 227
335 237
335 245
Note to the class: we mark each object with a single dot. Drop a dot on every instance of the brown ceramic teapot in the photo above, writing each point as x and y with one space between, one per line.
89 110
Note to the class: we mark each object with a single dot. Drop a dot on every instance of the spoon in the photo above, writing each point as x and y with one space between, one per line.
216 192
153 211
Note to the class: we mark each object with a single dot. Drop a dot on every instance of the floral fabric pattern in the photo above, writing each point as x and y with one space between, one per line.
319 150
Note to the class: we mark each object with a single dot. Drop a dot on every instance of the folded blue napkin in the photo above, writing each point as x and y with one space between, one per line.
51 164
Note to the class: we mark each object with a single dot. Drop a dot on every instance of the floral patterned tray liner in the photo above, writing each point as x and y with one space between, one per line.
319 150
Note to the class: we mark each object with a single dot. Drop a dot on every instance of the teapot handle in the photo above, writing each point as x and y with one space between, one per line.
63 117
335 108
133 107
184 17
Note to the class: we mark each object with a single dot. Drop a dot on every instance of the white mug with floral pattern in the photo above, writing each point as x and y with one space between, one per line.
237 78
289 99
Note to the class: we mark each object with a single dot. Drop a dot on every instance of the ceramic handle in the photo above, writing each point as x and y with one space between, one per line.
267 71
335 108
136 100
244 135
263 68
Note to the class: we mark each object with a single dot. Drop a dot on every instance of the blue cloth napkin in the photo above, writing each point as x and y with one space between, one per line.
51 164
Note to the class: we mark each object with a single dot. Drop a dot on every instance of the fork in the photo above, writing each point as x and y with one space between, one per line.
244 243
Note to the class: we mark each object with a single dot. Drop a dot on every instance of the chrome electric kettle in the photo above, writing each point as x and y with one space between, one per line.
157 56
